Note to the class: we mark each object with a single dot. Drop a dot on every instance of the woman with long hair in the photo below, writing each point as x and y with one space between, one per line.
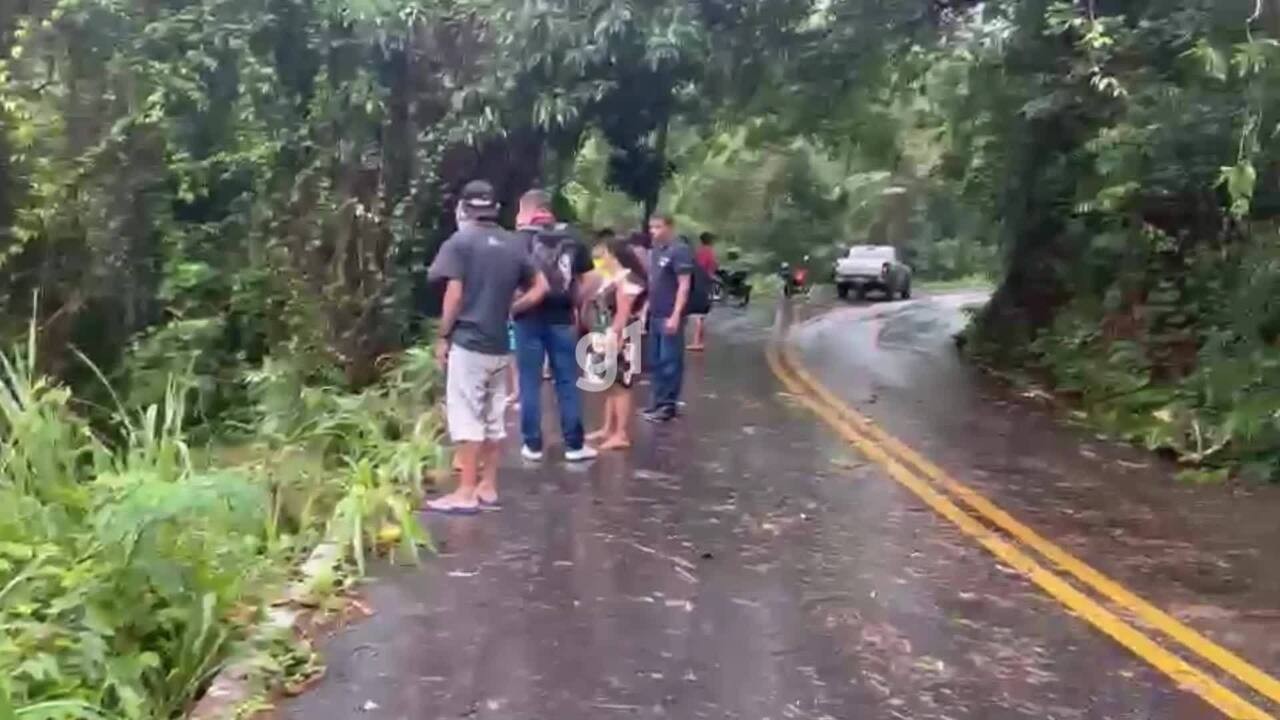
623 294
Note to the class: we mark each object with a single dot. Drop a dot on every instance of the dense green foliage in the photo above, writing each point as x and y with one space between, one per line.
229 177
227 207
1124 152
133 567
769 200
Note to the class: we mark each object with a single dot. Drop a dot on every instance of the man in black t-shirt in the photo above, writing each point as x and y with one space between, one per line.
549 330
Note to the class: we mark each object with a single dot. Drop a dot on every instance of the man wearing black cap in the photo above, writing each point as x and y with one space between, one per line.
489 278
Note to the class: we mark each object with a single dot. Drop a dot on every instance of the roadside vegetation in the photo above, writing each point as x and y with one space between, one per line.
1125 154
774 197
136 560
215 217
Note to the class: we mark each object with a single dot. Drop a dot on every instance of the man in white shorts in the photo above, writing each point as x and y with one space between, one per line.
489 277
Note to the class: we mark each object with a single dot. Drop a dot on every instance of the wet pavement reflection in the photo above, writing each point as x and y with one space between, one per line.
1199 552
741 562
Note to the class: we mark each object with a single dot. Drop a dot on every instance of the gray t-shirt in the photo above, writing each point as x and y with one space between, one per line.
491 265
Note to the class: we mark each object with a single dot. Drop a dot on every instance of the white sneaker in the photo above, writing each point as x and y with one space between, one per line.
529 453
586 452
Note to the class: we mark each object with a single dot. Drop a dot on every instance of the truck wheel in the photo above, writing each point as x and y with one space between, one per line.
906 291
861 292
842 291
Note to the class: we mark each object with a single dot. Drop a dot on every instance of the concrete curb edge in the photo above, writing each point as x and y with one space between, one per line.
233 684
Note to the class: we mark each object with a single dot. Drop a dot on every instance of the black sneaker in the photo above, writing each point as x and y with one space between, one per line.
665 414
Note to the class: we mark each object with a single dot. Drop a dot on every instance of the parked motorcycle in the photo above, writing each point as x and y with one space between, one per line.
795 281
731 283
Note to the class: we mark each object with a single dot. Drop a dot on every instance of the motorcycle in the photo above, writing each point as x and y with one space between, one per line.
795 281
731 283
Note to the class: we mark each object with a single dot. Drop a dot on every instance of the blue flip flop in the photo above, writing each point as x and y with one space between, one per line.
452 510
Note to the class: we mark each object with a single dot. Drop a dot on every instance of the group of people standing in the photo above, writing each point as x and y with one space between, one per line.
553 289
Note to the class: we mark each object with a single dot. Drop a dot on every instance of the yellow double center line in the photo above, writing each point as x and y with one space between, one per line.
980 519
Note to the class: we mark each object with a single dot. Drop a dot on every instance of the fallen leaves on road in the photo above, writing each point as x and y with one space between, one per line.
298 686
847 463
1202 612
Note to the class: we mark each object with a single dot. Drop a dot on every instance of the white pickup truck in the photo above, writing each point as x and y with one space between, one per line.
872 267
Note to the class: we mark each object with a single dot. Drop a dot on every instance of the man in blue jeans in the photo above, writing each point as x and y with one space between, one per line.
670 276
548 331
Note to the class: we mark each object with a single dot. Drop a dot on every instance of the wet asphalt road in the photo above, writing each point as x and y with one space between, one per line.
739 563
1201 553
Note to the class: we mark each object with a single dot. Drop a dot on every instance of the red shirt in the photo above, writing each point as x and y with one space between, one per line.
706 259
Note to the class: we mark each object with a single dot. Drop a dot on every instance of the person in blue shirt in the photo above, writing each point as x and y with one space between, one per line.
670 277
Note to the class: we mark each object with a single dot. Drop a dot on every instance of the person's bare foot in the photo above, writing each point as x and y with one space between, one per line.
615 443
458 497
455 502
486 497
597 435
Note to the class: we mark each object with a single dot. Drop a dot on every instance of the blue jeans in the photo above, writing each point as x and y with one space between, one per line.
666 363
535 340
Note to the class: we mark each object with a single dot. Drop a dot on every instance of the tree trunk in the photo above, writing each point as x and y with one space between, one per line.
1040 250
660 154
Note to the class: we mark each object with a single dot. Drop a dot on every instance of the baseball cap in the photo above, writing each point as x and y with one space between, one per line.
478 195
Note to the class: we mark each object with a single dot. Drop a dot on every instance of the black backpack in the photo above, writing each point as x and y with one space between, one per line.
552 250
